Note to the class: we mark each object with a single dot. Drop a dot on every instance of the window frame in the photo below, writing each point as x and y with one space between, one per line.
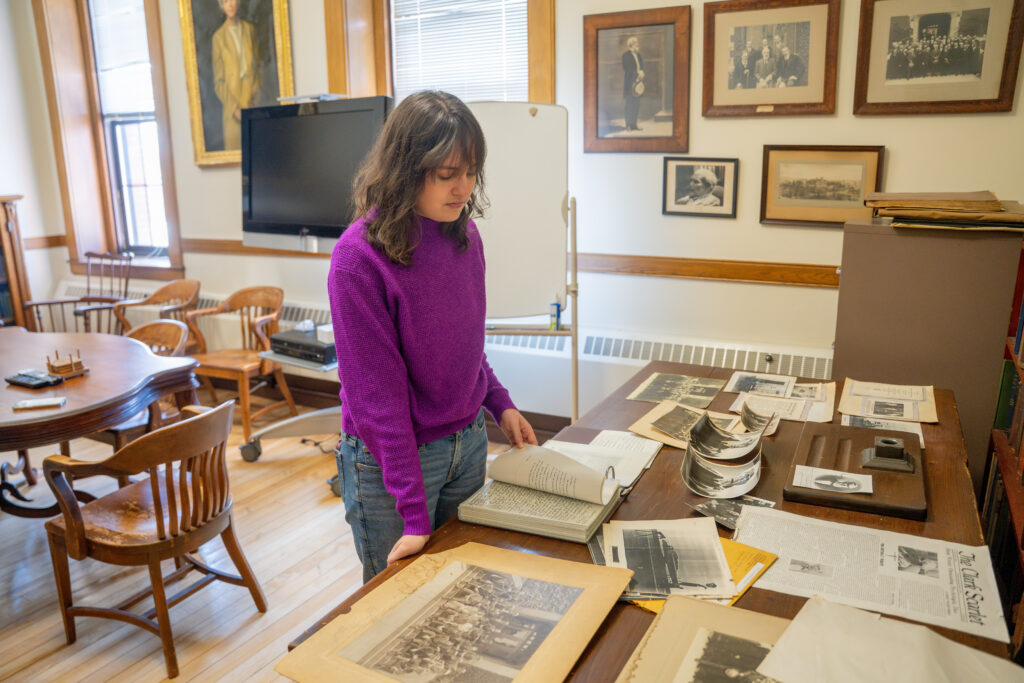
358 36
64 34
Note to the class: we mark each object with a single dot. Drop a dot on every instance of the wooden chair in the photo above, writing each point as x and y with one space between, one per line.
185 502
258 310
164 338
106 283
175 299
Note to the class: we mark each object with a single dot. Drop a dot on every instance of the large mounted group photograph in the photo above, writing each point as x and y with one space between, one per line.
770 57
937 56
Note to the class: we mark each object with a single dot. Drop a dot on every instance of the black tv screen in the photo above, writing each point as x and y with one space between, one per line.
298 162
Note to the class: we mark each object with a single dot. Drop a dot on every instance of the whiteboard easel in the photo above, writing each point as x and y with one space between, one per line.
526 230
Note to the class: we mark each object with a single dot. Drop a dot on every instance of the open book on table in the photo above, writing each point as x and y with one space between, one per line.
540 491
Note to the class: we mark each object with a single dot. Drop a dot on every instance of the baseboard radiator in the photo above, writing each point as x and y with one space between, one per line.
536 369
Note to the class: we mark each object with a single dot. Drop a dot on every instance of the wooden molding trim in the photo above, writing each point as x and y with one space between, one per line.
44 242
198 245
800 274
540 22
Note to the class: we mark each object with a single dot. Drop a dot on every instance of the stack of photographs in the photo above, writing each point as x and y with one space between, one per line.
705 470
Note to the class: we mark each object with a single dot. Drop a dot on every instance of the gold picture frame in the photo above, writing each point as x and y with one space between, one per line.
255 73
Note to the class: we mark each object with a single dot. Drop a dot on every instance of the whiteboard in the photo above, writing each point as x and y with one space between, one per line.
524 229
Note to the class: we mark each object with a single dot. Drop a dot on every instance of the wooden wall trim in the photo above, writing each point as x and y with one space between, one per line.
540 20
44 242
800 274
198 245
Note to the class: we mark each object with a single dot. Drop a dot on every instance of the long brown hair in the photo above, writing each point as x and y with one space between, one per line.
425 130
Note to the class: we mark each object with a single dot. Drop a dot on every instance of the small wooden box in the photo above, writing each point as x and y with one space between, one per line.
837 447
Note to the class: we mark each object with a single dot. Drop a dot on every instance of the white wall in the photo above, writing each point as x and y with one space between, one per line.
618 194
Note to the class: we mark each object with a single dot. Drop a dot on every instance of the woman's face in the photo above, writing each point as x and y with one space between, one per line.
698 187
446 190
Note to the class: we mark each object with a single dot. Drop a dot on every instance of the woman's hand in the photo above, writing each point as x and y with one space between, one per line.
516 428
407 545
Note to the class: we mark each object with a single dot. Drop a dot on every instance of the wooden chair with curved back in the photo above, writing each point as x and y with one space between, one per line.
184 503
175 299
258 310
106 282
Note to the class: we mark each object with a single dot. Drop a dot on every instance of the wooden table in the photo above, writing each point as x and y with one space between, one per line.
124 378
661 494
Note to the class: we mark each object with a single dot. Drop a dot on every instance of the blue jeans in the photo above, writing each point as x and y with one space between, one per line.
453 469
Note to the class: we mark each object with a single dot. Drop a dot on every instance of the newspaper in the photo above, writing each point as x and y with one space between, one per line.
935 582
793 409
888 401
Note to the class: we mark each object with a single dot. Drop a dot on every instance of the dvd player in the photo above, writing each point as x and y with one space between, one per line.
304 345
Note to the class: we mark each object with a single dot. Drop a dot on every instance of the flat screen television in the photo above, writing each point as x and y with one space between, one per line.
298 162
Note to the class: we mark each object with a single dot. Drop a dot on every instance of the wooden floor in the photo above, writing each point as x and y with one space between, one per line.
291 528
289 525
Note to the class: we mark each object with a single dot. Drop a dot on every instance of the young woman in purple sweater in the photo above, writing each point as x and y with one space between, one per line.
406 287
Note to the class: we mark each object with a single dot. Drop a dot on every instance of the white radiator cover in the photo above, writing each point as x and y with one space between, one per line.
536 370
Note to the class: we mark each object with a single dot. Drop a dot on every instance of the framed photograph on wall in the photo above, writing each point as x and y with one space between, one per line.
700 187
818 184
636 81
770 57
237 55
937 56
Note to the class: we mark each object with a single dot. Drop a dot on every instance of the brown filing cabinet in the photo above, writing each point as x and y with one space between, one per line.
920 306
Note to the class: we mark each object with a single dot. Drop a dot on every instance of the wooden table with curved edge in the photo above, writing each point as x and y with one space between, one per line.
661 494
124 378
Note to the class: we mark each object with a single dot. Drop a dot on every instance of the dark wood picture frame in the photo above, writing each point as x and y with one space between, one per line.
666 84
993 91
699 202
807 200
810 32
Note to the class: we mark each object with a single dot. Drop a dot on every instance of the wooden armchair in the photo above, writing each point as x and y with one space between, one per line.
175 299
106 282
185 502
258 310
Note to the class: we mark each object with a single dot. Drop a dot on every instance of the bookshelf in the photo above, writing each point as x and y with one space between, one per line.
13 279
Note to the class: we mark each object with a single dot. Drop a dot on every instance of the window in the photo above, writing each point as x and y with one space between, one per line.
104 75
476 50
128 112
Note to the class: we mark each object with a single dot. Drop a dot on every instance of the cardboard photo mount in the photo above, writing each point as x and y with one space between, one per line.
318 658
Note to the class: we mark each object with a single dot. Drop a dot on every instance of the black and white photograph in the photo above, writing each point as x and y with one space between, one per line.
470 624
769 55
713 479
696 392
753 420
917 561
678 422
937 57
821 185
670 557
937 45
636 80
711 441
814 391
761 383
716 657
829 183
812 568
699 187
838 481
879 423
889 408
727 512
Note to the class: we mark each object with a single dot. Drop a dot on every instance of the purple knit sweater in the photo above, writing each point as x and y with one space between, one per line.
410 343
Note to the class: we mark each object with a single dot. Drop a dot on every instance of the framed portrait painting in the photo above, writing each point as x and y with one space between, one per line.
636 81
819 184
694 186
237 55
937 56
770 57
